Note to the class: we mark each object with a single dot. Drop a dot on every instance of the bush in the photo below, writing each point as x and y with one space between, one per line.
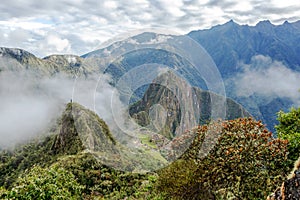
289 129
246 163
45 183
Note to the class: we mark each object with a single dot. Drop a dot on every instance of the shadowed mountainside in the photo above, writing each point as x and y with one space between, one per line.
181 106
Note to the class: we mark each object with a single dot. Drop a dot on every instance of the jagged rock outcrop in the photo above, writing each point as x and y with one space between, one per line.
181 106
290 189
80 129
17 59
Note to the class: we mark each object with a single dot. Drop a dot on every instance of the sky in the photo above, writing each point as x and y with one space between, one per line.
80 26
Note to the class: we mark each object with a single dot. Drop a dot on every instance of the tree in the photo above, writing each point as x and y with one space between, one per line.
245 163
45 183
289 129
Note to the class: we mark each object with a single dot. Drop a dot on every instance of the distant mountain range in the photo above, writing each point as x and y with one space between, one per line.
234 49
167 94
230 43
182 108
264 49
13 59
231 46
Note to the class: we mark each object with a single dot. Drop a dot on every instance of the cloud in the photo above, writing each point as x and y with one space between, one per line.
30 103
58 43
54 43
92 22
26 106
269 78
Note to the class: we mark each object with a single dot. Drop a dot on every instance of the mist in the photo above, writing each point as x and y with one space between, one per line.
269 78
31 103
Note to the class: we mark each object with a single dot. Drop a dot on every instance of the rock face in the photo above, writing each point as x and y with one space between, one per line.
81 129
12 59
181 106
290 189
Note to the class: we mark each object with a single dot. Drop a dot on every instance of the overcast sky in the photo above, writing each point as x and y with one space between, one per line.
46 27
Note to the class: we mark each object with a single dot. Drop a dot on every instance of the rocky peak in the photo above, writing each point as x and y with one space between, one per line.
181 107
231 22
12 59
265 26
18 54
80 128
68 140
65 60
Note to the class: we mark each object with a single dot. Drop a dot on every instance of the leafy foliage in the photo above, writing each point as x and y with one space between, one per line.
99 179
64 150
246 163
94 180
45 183
13 163
289 129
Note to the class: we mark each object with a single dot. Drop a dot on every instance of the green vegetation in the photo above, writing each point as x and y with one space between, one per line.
289 129
74 174
34 169
146 139
245 163
45 183
241 160
16 162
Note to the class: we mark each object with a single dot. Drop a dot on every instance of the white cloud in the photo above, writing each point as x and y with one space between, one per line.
24 24
59 44
268 78
110 4
32 103
280 3
90 22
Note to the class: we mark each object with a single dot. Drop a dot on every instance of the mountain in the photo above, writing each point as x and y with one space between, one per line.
237 51
81 148
65 137
150 50
12 59
230 43
234 48
82 129
70 147
172 106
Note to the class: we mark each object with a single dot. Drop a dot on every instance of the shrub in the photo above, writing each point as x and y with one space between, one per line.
289 129
45 183
245 163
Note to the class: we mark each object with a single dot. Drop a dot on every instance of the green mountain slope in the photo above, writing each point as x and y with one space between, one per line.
82 144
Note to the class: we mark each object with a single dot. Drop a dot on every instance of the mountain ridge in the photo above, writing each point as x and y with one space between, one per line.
230 45
186 106
19 59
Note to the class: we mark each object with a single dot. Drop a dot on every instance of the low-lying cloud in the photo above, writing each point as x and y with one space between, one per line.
267 77
26 107
31 103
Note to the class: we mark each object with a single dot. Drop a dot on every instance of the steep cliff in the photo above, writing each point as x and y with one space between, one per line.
173 106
